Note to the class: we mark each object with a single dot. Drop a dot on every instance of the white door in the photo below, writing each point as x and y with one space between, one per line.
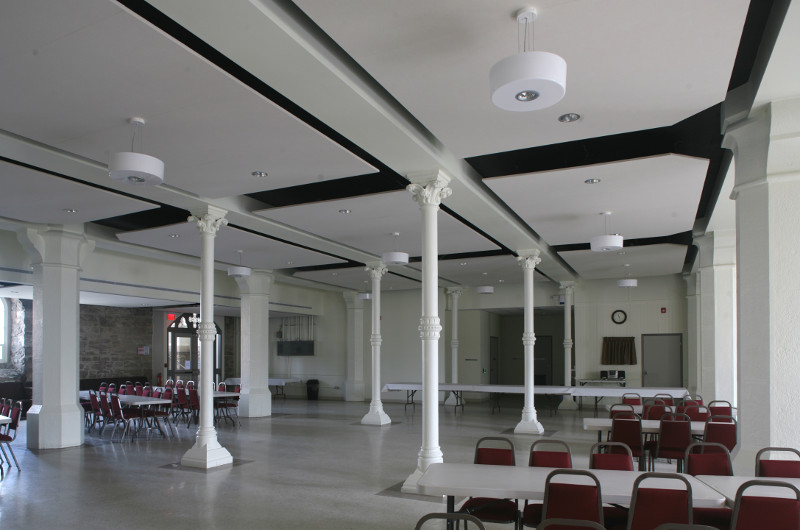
662 360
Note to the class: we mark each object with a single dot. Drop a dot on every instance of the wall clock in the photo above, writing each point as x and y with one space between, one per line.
619 316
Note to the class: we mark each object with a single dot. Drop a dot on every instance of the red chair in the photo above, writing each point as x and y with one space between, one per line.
181 407
631 398
138 389
539 458
103 387
98 419
654 412
123 416
720 407
622 410
666 398
721 429
629 432
697 412
10 433
617 456
710 459
752 512
147 391
569 501
106 408
487 509
194 404
651 507
674 436
112 388
778 468
163 411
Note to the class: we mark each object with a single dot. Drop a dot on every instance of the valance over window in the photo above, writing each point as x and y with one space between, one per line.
618 350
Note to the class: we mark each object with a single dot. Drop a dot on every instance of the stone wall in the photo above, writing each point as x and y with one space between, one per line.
109 340
229 352
19 344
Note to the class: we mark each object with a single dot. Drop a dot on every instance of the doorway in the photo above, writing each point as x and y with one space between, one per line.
662 360
183 355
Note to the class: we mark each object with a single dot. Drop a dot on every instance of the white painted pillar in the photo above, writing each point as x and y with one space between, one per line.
354 369
57 252
207 451
717 305
256 398
529 424
767 191
428 191
455 294
376 415
568 403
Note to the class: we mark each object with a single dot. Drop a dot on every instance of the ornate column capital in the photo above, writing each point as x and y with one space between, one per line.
455 292
209 219
376 270
529 260
429 188
567 286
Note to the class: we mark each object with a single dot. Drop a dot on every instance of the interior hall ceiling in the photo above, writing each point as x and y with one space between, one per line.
339 102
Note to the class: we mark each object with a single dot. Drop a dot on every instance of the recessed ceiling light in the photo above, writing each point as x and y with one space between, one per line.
334 274
484 273
500 281
569 117
290 262
260 174
591 181
345 211
621 253
627 265
70 210
174 235
463 263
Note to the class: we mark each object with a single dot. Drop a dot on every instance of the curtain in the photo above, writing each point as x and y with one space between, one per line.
618 350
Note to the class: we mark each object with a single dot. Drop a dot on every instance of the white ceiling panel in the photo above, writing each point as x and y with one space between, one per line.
258 252
563 209
371 221
634 262
22 198
490 270
357 279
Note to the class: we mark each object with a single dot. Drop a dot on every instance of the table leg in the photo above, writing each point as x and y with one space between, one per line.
451 508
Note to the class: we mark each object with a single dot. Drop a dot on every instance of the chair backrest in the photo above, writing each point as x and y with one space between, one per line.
568 524
180 395
16 412
539 458
116 408
451 517
157 393
147 391
122 390
651 507
194 400
778 468
169 384
617 456
720 407
753 512
666 398
570 500
675 431
708 459
628 432
631 398
721 429
138 389
697 412
103 399
179 383
654 412
190 384
112 388
167 394
103 387
95 403
222 386
621 410
486 451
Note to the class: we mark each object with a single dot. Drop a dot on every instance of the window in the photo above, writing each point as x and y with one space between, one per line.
3 330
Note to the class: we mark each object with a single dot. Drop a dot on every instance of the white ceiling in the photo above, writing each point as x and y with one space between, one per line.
368 87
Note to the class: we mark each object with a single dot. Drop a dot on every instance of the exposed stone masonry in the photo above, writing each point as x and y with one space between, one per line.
109 340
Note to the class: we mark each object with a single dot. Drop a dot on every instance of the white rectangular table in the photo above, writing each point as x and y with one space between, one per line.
280 385
598 393
728 486
603 425
518 482
4 420
458 390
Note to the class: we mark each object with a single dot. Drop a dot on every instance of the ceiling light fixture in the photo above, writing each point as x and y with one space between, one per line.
569 117
529 80
69 210
174 235
240 271
607 242
395 257
260 174
591 181
345 211
136 168
484 289
628 282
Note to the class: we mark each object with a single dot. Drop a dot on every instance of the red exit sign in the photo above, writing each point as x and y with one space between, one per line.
663 309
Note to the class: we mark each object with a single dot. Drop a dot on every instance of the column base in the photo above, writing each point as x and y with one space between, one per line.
376 416
568 403
529 427
410 485
255 403
54 428
206 456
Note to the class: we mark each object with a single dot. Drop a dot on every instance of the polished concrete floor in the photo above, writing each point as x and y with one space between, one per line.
311 465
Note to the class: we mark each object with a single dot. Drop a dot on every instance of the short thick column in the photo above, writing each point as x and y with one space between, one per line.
207 451
55 419
256 398
529 424
376 415
429 191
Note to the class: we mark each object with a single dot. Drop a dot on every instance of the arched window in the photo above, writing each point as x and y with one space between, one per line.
4 325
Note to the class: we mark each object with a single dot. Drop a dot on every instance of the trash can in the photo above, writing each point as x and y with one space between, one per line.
312 389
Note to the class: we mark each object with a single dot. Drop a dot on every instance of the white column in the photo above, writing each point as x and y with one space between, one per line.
376 415
455 293
717 305
55 420
354 369
207 451
529 424
256 399
567 402
429 190
767 191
